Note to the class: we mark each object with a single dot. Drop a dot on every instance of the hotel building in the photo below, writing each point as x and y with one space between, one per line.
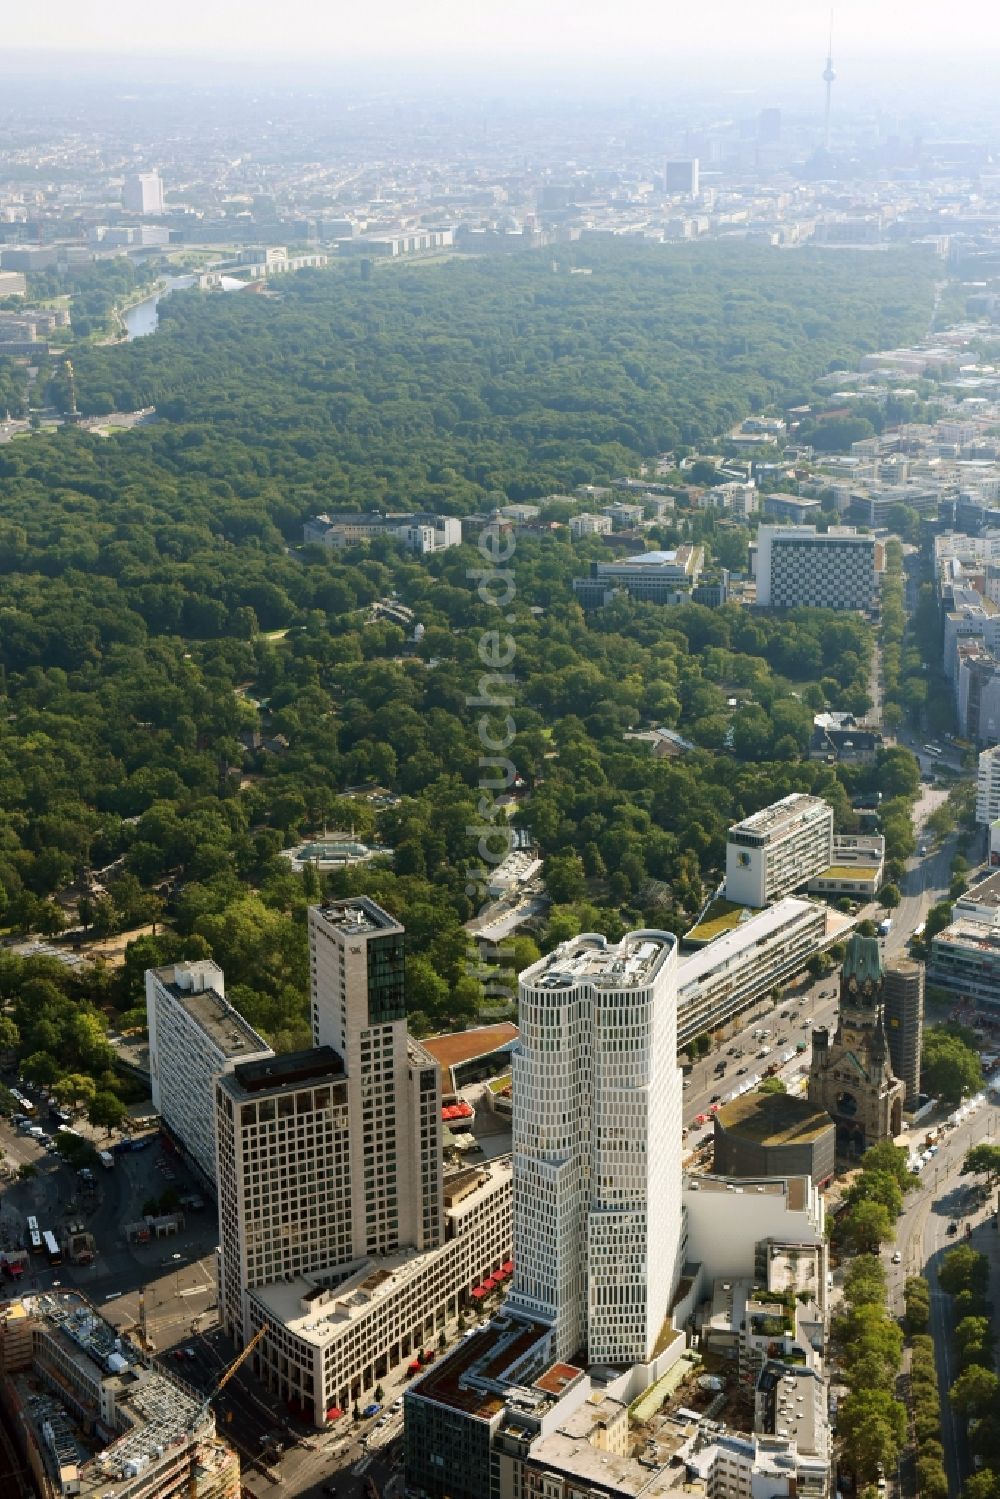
338 1226
596 1142
778 849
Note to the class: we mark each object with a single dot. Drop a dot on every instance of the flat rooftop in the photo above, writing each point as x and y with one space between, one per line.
605 1470
468 1378
463 1046
320 1313
291 1069
159 1411
743 940
630 964
795 1189
783 815
224 1026
358 916
968 933
985 893
773 1119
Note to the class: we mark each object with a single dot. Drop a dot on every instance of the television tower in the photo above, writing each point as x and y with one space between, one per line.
828 77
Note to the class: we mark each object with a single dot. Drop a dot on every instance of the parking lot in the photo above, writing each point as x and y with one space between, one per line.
177 1272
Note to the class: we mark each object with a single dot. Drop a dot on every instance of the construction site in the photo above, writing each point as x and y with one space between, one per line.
93 1415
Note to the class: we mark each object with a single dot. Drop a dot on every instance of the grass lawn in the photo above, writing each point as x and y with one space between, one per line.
721 916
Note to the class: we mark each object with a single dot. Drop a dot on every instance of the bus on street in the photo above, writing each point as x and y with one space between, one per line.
52 1248
34 1237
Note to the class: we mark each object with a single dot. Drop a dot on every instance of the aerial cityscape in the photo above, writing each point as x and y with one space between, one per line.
500 797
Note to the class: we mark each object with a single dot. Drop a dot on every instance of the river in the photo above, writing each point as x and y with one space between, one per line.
143 317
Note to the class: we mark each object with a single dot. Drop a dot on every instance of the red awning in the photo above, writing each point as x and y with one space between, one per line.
479 1292
507 1267
334 1413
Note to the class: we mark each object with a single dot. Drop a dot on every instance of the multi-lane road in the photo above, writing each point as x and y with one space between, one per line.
925 882
942 1197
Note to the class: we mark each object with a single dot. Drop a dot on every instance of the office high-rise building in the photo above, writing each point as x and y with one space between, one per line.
343 1142
357 1005
142 192
904 1022
597 1142
682 177
338 1229
284 1169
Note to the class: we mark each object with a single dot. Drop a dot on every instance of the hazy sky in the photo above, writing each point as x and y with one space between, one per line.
648 31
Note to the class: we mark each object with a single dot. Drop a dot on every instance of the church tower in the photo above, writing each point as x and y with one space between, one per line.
851 1075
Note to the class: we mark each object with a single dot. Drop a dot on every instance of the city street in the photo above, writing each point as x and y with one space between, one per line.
944 1196
926 881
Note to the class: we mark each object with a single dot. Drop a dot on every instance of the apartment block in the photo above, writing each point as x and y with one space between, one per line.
596 1140
741 966
965 960
589 524
778 849
194 1036
798 566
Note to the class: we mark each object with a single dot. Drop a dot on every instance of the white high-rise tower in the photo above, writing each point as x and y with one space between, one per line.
597 1145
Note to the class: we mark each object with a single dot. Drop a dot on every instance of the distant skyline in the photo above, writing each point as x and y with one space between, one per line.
512 32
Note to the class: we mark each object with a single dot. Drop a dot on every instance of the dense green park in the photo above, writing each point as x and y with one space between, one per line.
185 688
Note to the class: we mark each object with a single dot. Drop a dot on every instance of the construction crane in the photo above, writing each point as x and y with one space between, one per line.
206 1404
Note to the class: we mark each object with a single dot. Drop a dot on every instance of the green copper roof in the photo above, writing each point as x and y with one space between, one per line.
863 959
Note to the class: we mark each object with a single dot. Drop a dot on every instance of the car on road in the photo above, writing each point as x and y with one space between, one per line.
952 1229
371 1410
397 1404
897 1258
740 1071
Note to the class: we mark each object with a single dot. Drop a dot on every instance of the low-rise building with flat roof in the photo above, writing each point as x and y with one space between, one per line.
467 1057
856 870
659 577
740 966
774 1134
980 903
336 1333
733 1225
965 960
